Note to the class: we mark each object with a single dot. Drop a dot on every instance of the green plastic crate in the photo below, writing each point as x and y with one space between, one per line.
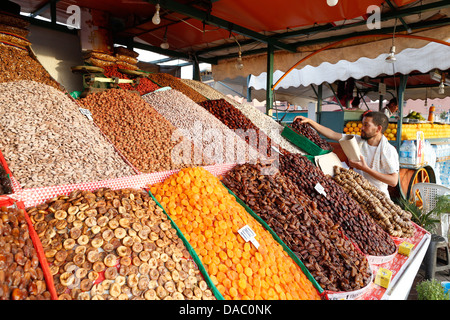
302 142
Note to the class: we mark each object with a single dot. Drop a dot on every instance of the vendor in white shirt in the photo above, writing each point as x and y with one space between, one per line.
391 109
379 160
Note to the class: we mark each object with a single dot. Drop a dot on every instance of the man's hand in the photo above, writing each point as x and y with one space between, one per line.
360 165
327 132
390 179
303 119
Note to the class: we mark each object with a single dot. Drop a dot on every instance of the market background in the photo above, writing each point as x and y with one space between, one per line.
227 71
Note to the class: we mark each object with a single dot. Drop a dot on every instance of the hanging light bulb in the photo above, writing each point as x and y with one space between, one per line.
332 3
239 65
441 86
391 56
165 44
156 19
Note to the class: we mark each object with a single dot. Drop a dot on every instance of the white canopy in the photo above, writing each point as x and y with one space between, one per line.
425 59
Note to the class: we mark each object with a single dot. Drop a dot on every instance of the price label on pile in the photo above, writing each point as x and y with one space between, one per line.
87 113
320 189
248 234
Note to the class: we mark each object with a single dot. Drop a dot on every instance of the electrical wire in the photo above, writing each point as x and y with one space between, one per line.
353 38
393 65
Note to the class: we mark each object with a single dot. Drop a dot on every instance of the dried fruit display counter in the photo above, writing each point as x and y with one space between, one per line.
215 264
87 264
212 220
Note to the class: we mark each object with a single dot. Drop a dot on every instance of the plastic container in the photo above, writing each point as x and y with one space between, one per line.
412 159
431 114
403 152
302 142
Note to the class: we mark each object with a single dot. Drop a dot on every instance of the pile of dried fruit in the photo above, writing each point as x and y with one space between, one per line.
115 245
143 86
45 140
167 80
15 66
307 131
216 141
342 209
391 217
242 126
210 217
313 236
5 182
112 72
264 122
141 134
21 276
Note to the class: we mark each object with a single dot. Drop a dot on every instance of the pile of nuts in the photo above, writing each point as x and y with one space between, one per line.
234 119
115 245
15 66
141 134
47 141
5 182
331 259
167 80
21 276
216 141
308 132
358 226
391 217
264 122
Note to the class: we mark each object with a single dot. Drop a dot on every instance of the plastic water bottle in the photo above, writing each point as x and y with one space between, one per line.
412 153
404 152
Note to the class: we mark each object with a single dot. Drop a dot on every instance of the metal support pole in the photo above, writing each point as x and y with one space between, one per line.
269 84
249 90
319 102
53 11
380 102
400 98
196 70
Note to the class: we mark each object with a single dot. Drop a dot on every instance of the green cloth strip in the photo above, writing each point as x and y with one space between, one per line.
302 142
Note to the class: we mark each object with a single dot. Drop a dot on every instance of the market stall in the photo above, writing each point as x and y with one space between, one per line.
416 74
154 188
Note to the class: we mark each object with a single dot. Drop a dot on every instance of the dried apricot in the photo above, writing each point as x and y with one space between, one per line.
209 217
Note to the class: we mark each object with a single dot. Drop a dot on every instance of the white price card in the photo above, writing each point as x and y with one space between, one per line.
320 189
87 113
248 234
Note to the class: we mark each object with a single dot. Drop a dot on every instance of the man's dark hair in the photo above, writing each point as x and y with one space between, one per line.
379 119
393 101
356 101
